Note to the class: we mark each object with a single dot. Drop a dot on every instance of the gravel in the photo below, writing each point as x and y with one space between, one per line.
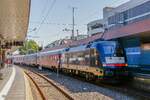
81 90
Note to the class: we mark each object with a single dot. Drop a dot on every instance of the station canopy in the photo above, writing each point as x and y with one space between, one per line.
14 19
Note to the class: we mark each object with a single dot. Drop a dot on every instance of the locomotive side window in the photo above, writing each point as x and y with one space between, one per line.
88 58
94 58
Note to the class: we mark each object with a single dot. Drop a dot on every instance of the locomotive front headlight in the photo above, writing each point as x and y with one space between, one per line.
104 65
126 64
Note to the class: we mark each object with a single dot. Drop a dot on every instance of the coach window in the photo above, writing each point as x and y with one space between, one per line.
76 58
67 58
83 58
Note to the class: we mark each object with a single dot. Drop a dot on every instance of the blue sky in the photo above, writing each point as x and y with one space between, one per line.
60 17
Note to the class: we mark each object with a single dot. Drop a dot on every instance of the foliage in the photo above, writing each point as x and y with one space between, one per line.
29 47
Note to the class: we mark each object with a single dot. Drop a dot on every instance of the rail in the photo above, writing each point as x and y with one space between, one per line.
28 73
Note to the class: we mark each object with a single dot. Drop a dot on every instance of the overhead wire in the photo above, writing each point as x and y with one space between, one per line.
47 14
44 9
50 23
111 4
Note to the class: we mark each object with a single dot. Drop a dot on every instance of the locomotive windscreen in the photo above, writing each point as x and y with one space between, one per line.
113 53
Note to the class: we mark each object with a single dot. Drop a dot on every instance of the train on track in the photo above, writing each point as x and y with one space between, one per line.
102 60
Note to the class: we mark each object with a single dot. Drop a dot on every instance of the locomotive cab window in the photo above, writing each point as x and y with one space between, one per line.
119 52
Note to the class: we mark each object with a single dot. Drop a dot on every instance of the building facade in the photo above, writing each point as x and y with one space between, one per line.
95 27
130 12
129 23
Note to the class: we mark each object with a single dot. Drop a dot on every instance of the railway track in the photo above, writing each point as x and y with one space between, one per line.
47 90
125 89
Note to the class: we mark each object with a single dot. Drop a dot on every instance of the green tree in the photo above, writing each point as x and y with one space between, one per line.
29 47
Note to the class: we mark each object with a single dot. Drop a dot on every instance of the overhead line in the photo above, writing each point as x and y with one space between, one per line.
44 9
36 22
50 8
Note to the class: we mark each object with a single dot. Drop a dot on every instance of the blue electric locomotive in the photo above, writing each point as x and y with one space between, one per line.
101 60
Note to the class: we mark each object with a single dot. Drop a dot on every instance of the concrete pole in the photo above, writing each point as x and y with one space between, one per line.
73 22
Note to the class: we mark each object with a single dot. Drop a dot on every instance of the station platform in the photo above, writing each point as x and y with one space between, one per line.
141 81
14 85
141 78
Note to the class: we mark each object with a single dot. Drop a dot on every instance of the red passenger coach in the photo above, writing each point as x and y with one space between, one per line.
49 59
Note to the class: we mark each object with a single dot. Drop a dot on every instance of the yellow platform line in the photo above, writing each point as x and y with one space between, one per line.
29 95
